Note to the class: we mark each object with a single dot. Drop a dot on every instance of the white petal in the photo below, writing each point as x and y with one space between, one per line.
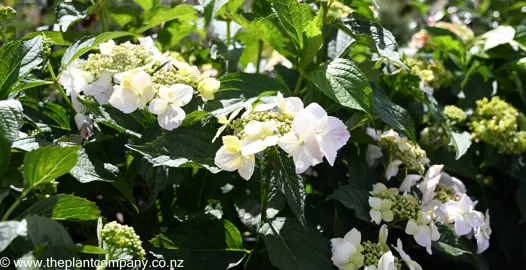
332 135
392 169
376 216
461 226
270 141
293 105
387 262
466 204
482 243
435 234
247 168
252 145
254 128
373 152
409 181
451 209
289 142
370 267
302 159
375 203
227 160
183 94
354 236
382 235
342 252
412 227
124 99
434 171
423 236
387 215
475 219
172 119
141 81
316 110
304 124
158 106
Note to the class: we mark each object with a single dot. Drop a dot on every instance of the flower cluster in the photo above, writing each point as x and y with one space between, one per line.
6 13
133 77
454 114
421 201
432 75
307 134
120 241
495 123
351 253
401 151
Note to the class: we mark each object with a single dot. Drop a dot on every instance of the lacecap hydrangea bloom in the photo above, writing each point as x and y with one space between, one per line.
134 77
422 201
306 134
121 242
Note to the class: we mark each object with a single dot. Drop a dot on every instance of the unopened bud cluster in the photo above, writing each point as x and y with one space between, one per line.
495 123
433 74
119 237
372 252
122 57
410 153
404 207
282 123
433 137
444 193
6 13
45 190
454 113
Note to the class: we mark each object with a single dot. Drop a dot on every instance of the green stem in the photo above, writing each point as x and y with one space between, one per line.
60 89
14 205
258 240
299 83
264 199
227 34
103 17
260 51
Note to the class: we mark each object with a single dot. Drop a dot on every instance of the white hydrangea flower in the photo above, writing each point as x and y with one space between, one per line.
373 153
74 78
346 251
380 210
423 230
301 142
259 136
331 132
379 188
167 106
386 262
101 89
134 91
230 158
412 265
84 124
290 106
107 47
225 122
483 234
464 215
392 169
409 181
428 185
208 87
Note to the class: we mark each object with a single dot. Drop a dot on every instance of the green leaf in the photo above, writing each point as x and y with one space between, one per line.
449 243
173 32
9 230
344 83
159 15
86 44
203 244
290 184
159 177
17 60
87 249
295 17
291 246
247 85
354 198
50 113
520 198
211 8
194 117
48 163
461 142
58 38
48 232
10 119
70 12
393 114
123 12
28 84
374 36
312 40
194 148
90 168
64 207
147 4
361 7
